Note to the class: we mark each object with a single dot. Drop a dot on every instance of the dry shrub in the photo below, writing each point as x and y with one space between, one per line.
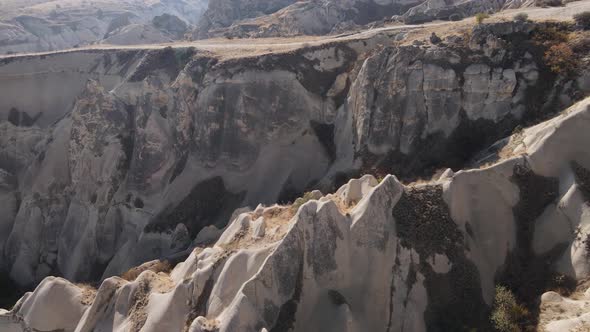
154 266
580 42
561 59
521 17
550 35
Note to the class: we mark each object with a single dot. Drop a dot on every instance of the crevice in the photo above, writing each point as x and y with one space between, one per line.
286 318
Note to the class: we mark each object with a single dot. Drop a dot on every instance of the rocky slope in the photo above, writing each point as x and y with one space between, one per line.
288 18
126 156
41 25
376 255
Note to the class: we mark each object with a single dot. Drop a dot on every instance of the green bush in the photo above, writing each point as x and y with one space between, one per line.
522 17
507 315
302 200
480 17
583 20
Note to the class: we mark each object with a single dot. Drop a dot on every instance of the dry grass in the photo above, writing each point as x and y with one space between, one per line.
277 220
580 42
425 180
516 140
88 293
154 266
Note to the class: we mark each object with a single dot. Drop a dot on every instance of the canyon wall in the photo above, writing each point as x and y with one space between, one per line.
376 255
131 154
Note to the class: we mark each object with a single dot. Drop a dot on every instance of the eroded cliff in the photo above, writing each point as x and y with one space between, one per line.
160 143
375 255
133 155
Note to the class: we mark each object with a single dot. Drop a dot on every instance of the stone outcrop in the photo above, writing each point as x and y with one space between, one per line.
443 9
421 257
170 24
221 14
162 144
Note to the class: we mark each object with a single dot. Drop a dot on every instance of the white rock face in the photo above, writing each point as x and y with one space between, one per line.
404 252
55 305
564 314
416 101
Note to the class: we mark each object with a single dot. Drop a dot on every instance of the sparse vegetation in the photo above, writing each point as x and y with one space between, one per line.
549 3
561 59
88 293
562 284
380 178
580 42
155 266
480 17
583 20
508 315
302 200
455 17
550 35
563 49
521 17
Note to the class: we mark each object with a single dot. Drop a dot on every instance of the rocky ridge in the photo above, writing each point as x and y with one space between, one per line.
437 247
291 18
42 25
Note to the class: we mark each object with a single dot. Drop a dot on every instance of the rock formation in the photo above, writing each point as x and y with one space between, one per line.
169 179
289 18
170 24
420 257
159 144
